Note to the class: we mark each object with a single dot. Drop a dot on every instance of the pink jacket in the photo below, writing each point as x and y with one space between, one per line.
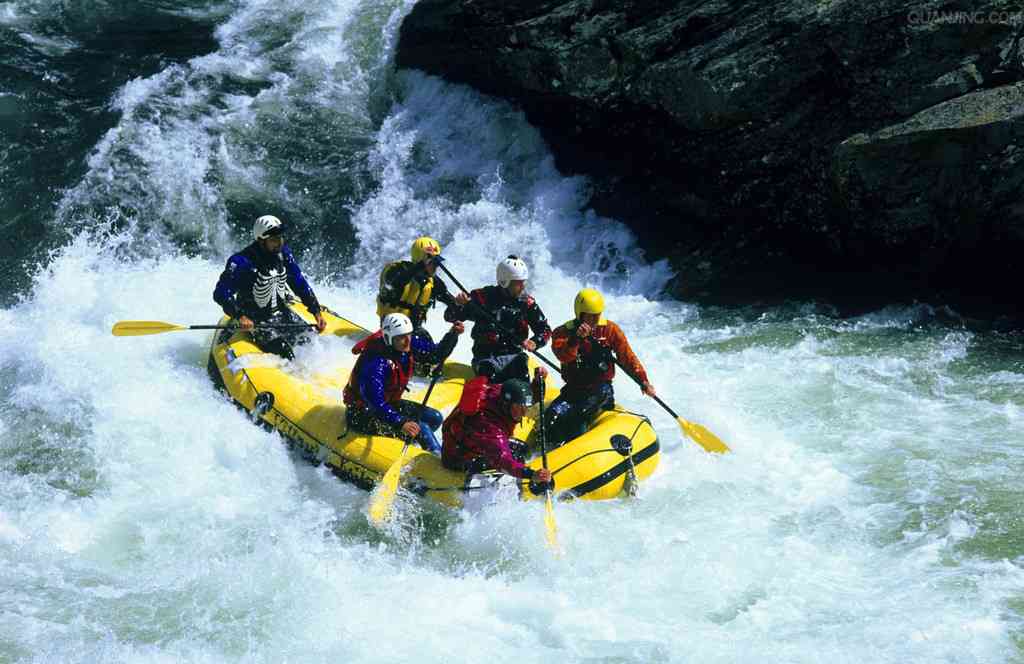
485 434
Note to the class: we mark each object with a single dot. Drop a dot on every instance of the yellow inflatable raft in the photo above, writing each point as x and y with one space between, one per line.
608 461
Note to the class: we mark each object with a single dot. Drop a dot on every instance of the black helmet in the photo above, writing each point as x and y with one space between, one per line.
517 391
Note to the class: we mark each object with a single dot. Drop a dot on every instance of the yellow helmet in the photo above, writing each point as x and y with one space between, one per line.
424 246
589 301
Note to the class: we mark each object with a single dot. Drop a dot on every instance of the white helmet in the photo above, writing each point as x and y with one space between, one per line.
395 325
266 226
512 268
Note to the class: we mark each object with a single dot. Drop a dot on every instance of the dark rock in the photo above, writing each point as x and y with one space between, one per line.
940 171
798 148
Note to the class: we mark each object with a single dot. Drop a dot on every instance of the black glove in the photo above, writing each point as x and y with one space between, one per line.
539 489
519 450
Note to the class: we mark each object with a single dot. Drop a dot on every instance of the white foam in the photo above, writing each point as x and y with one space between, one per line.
9 13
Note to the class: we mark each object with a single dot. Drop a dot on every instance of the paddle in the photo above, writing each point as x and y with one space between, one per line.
384 495
138 328
549 509
694 431
494 322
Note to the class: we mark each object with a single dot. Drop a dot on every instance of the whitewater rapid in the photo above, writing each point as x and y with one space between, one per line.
869 510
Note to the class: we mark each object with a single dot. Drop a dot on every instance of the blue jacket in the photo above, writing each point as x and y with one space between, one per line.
382 374
238 289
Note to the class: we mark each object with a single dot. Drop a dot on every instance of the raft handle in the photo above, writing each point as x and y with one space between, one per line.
624 446
264 402
621 444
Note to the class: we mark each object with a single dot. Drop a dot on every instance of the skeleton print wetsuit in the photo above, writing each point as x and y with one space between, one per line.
256 284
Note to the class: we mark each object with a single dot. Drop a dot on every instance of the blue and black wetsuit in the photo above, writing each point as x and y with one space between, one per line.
255 283
373 394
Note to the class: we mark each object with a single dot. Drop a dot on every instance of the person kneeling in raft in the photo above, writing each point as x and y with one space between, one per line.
479 431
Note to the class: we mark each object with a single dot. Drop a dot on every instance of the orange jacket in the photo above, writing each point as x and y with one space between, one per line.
585 362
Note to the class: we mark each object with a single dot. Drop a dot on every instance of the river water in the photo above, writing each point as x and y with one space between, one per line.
870 510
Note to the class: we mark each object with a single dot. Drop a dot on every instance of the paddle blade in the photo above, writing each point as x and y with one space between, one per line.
702 436
138 328
551 527
384 494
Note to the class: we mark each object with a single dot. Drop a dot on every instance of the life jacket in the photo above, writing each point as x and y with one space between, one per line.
506 315
454 428
370 347
412 301
594 360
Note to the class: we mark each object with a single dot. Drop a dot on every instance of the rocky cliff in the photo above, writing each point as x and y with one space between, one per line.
795 147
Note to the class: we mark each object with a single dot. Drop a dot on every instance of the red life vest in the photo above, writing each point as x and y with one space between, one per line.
374 346
472 400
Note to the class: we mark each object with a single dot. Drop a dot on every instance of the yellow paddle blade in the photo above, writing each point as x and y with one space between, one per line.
702 436
384 494
138 328
549 524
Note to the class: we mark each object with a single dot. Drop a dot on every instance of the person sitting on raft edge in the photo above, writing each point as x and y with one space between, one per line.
254 290
588 347
373 394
